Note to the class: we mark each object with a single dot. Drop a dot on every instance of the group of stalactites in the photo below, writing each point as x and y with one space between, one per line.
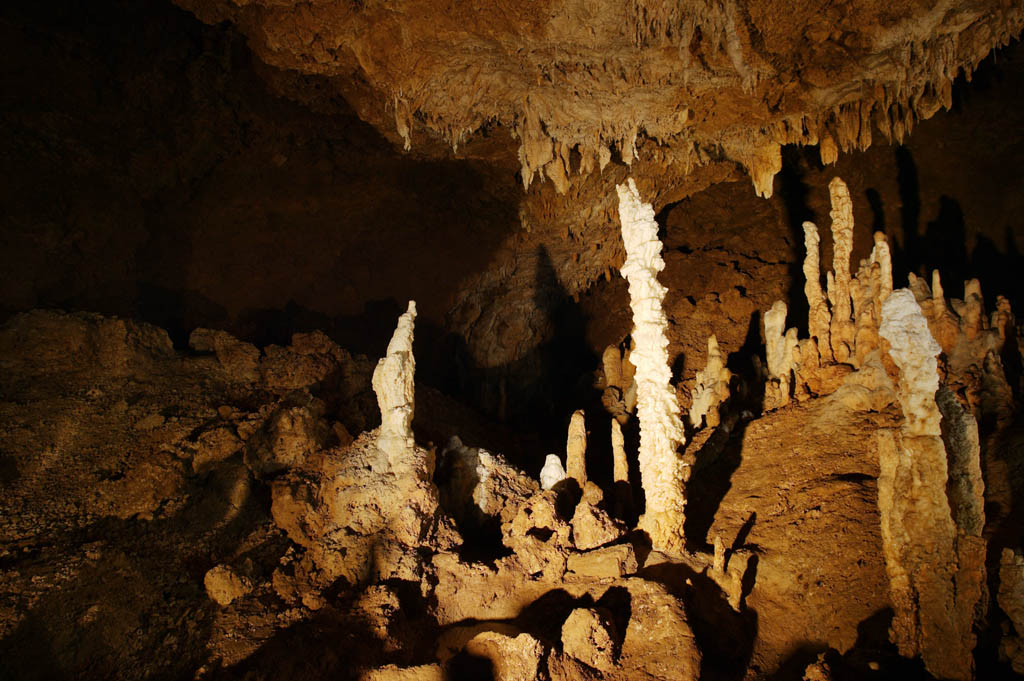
844 319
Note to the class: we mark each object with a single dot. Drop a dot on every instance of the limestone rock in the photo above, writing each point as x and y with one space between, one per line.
842 332
608 562
1011 601
214 446
781 346
291 434
356 518
589 636
238 359
539 534
591 527
914 350
514 658
931 504
224 585
477 486
819 318
426 672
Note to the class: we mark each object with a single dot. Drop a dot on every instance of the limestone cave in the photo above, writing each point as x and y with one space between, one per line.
408 340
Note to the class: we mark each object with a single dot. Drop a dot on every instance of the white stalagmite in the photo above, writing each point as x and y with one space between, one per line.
914 351
930 502
394 383
662 470
780 345
552 473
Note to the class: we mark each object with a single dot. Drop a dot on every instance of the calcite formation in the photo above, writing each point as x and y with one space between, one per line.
662 470
780 344
576 449
934 553
394 383
711 389
619 388
552 473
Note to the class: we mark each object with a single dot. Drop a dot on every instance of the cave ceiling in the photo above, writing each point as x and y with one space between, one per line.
576 83
574 96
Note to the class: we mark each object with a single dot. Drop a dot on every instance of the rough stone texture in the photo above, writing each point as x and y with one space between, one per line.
576 449
394 383
711 389
825 479
224 585
513 658
391 672
636 73
477 486
589 636
1011 601
931 538
611 561
591 527
662 470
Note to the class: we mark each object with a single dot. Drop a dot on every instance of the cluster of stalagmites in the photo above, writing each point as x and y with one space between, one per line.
373 510
930 489
369 512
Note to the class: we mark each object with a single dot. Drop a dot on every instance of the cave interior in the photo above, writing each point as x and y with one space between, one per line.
628 429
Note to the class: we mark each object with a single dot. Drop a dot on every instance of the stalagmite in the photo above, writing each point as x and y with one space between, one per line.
662 471
842 329
622 492
620 466
711 389
914 351
393 382
781 344
881 254
552 473
818 317
930 502
576 449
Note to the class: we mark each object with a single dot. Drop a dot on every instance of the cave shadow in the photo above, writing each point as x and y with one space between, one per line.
794 192
338 642
544 617
536 394
908 257
724 637
872 656
721 453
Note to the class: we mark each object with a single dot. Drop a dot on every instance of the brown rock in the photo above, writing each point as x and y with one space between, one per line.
224 585
611 561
